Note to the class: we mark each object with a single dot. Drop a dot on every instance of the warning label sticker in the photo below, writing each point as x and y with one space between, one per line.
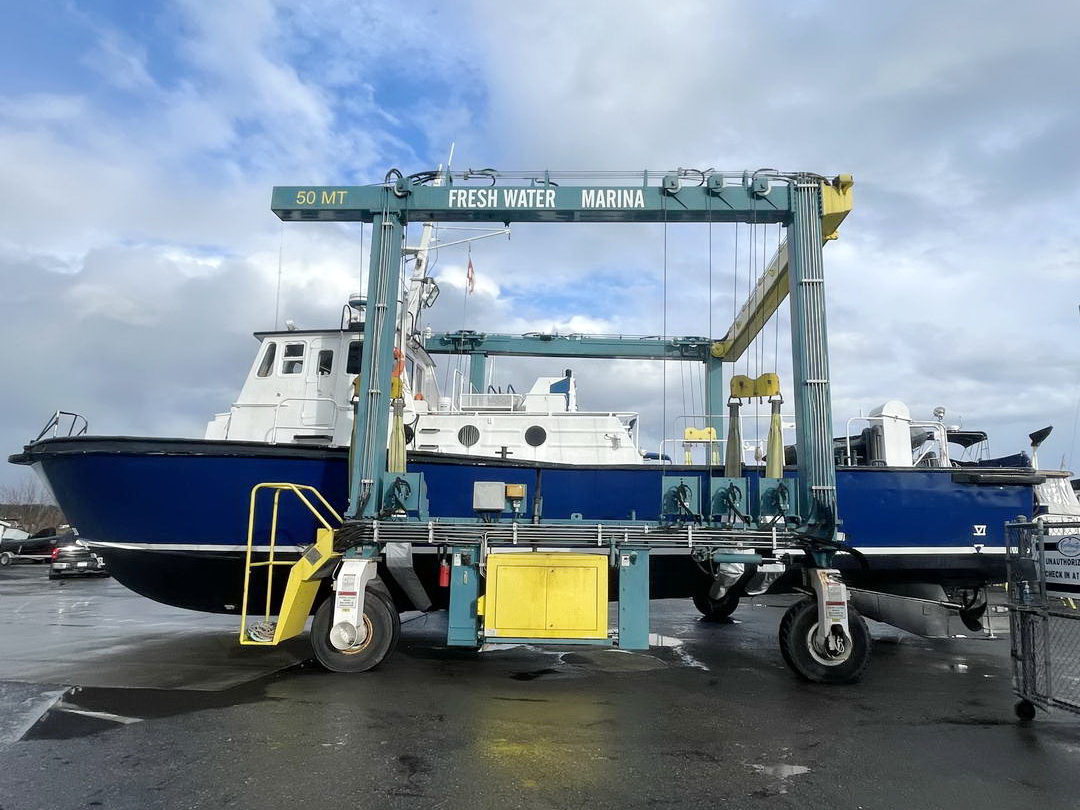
1061 561
346 601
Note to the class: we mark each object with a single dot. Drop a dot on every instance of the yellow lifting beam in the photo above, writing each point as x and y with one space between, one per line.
772 287
305 574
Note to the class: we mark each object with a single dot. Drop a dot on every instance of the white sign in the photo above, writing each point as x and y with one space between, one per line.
1061 559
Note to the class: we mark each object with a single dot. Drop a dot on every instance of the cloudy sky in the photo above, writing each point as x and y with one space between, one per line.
139 143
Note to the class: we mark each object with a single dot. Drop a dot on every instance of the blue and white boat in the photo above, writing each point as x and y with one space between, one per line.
921 504
920 501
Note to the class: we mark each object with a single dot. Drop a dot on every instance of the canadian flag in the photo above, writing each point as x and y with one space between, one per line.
470 278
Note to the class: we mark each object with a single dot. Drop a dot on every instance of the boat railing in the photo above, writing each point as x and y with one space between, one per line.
934 455
490 402
461 388
76 425
754 429
272 433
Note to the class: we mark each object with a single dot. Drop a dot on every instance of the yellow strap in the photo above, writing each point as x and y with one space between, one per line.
774 451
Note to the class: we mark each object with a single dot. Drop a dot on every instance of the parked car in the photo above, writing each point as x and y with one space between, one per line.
74 558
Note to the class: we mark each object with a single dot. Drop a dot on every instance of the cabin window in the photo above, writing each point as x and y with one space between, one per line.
326 361
267 363
535 436
293 359
469 435
356 355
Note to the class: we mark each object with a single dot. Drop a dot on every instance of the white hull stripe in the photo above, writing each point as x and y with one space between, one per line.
869 552
191 547
931 550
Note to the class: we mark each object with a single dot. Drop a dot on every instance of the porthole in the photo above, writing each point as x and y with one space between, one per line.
535 436
469 435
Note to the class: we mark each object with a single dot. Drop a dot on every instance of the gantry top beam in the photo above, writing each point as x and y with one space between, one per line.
588 346
680 196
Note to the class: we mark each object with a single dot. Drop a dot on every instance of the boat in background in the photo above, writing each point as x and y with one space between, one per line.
17 545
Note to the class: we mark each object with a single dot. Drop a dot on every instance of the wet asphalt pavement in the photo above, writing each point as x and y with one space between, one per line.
109 700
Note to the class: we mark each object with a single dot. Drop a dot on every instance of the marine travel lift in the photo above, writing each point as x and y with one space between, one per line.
502 587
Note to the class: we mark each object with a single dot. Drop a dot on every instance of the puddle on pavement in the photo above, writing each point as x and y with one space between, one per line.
608 659
612 660
22 704
781 771
959 667
83 711
677 646
532 676
778 775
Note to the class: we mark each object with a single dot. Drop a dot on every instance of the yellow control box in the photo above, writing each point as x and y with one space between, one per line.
546 595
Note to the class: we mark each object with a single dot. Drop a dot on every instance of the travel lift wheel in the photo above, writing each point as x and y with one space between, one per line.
716 610
1025 710
844 663
382 627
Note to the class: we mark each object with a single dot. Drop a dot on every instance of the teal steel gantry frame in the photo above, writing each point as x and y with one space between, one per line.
478 346
808 205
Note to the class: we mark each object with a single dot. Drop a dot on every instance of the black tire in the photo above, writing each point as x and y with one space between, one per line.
796 629
382 625
53 576
716 610
6 558
1025 710
381 591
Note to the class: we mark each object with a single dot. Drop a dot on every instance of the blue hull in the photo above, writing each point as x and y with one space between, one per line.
181 507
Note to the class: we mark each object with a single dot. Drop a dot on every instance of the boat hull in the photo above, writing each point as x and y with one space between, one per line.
170 516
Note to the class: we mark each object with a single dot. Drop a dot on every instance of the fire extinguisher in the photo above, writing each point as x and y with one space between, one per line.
444 572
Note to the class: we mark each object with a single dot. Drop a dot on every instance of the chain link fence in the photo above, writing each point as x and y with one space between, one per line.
1044 592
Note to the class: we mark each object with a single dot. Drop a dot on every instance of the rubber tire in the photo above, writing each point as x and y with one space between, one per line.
384 628
716 610
6 558
797 624
1025 710
381 591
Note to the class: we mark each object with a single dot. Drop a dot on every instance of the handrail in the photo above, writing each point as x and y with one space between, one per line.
936 427
299 491
54 424
275 427
757 443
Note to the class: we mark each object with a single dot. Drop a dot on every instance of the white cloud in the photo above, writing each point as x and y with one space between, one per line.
141 222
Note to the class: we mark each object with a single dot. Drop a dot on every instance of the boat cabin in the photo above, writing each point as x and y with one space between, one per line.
300 390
